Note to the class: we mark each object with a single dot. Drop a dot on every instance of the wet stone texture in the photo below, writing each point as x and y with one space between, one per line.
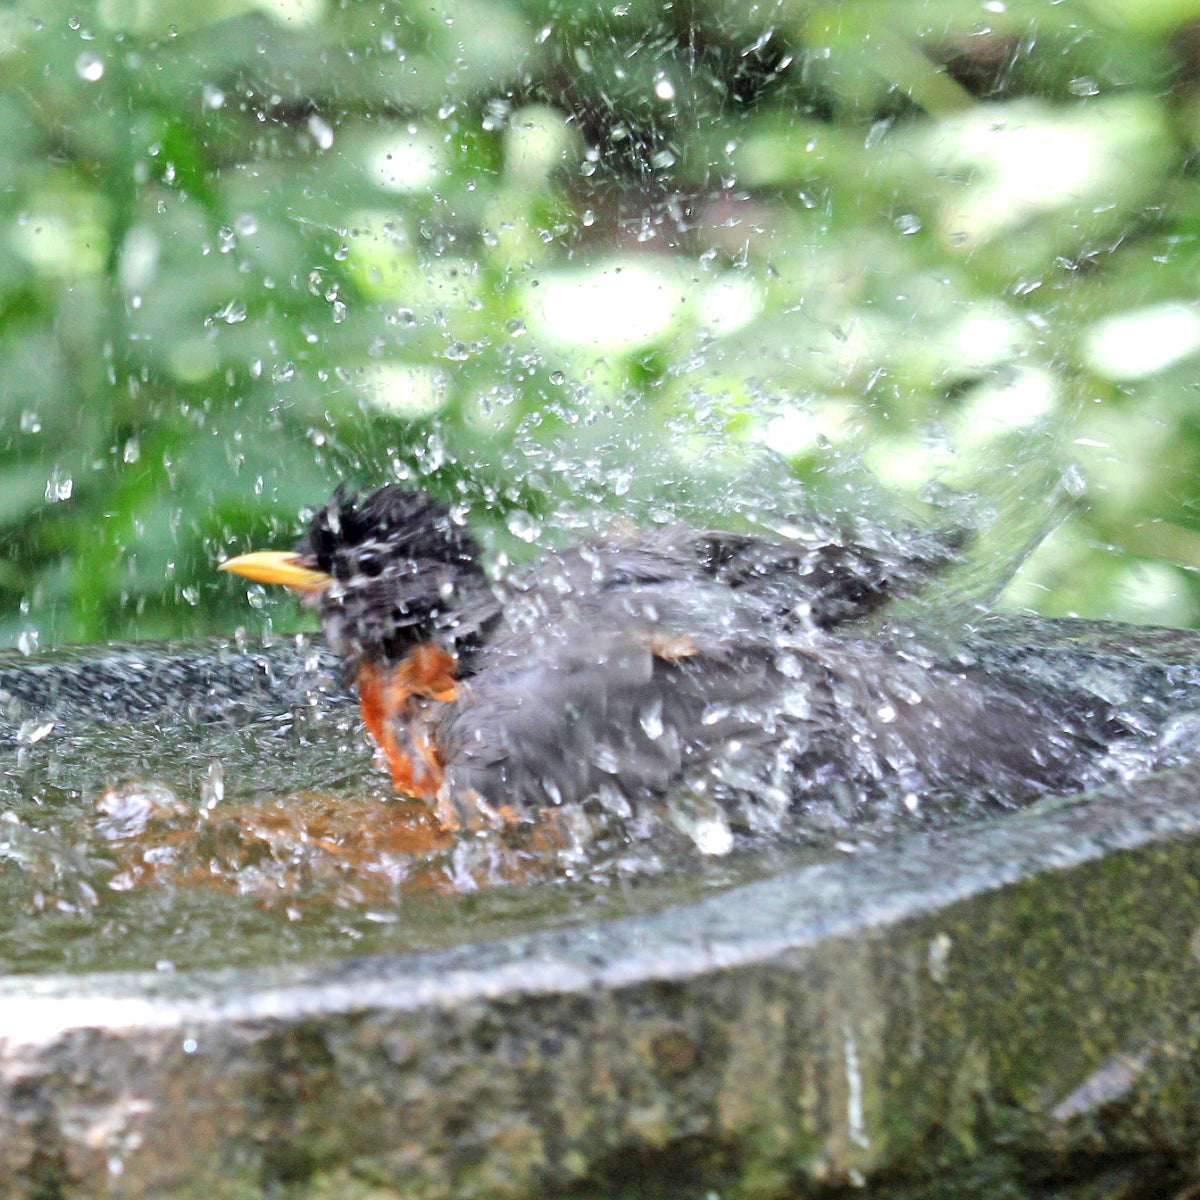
1003 1009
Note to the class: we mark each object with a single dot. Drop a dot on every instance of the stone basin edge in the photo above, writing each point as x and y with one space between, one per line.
746 925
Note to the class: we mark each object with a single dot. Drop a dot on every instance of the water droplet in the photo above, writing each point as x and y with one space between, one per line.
32 732
321 131
213 96
557 378
433 456
231 313
126 810
877 132
27 642
31 421
59 486
457 352
245 225
132 451
651 719
89 67
701 819
212 790
664 89
908 223
940 946
521 524
605 758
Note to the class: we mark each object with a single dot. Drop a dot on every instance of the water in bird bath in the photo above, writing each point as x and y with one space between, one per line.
175 838
171 842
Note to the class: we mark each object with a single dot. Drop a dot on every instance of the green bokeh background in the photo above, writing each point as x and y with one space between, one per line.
937 260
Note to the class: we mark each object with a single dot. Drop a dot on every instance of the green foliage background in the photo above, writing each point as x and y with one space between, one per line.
692 259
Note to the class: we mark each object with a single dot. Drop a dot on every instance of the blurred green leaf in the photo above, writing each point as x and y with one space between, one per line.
701 261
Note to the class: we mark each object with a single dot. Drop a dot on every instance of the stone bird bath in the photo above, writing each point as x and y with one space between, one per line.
951 1010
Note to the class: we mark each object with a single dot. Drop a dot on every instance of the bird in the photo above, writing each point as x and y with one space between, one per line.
752 667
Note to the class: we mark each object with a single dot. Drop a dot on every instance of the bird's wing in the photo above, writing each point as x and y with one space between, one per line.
622 676
825 573
827 717
613 692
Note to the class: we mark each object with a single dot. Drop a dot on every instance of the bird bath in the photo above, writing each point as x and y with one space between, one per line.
235 963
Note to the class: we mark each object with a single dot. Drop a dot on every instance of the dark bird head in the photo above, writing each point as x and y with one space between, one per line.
385 572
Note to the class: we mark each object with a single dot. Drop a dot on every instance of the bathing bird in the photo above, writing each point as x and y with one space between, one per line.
633 664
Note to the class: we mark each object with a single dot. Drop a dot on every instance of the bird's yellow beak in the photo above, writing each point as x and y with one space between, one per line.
277 566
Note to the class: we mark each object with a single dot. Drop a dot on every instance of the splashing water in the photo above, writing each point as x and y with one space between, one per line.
243 822
201 834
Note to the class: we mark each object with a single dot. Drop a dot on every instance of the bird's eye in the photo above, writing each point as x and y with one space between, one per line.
370 564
